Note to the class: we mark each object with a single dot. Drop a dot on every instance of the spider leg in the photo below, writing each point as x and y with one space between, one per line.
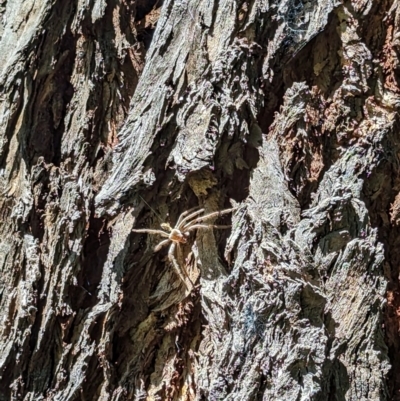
182 222
206 217
184 214
205 226
150 231
172 259
161 245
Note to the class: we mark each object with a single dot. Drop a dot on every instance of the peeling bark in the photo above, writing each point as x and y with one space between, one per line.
117 116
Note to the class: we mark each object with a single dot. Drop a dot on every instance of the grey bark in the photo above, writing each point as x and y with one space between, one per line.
116 116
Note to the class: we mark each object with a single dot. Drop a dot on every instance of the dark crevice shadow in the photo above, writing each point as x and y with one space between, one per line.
94 256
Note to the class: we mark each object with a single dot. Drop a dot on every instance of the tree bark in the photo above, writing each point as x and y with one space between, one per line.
117 116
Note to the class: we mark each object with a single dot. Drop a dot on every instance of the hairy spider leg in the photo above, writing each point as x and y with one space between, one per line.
206 226
172 259
206 217
184 214
179 256
161 244
150 231
187 218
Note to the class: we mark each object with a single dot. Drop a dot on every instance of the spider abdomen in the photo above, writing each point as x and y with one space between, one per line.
177 236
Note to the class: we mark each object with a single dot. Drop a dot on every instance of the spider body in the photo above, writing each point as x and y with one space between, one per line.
188 221
174 234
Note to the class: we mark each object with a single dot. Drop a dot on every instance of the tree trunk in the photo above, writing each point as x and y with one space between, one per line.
119 116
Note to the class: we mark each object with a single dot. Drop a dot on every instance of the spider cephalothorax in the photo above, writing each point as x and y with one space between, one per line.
174 234
188 221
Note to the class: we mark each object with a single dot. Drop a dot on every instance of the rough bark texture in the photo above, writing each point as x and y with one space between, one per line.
119 115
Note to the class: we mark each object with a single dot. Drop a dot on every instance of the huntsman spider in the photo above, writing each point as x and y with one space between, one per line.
188 221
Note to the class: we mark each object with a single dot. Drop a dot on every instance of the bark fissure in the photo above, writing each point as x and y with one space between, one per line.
116 116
